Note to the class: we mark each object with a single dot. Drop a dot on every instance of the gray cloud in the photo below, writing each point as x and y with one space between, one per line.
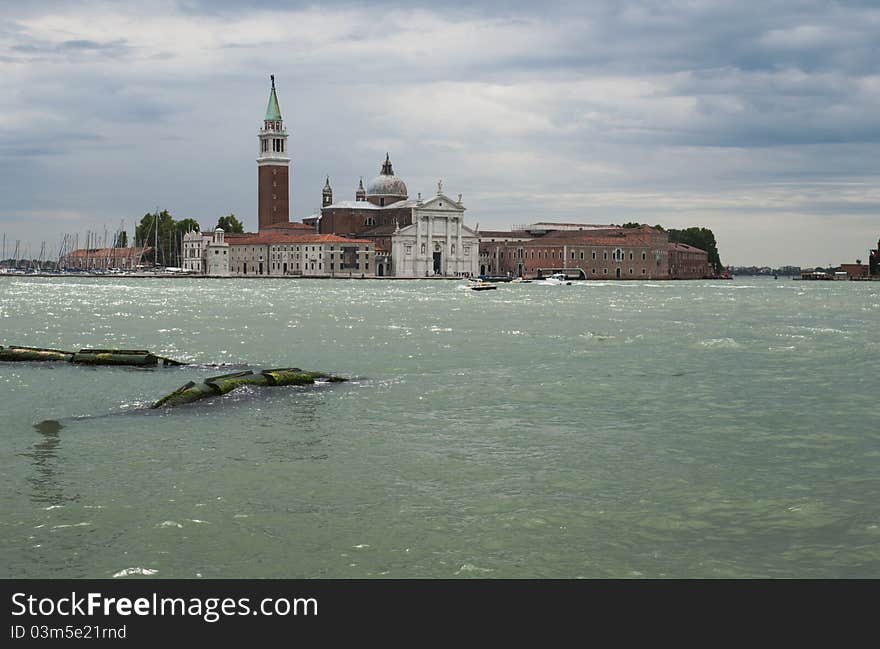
698 112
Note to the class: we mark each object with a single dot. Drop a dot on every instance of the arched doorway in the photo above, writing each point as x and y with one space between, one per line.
617 273
380 271
482 270
438 263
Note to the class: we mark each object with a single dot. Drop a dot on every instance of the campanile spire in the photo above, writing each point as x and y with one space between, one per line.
273 162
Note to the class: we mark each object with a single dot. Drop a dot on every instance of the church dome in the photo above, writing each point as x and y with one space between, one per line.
386 184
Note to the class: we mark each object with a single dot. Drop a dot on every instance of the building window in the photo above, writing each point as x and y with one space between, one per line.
594 271
643 271
605 255
604 271
582 254
594 254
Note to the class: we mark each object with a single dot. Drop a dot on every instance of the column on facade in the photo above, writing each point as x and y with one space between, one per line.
429 249
417 253
447 242
460 256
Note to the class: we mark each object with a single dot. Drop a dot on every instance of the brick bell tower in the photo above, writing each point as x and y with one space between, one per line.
272 167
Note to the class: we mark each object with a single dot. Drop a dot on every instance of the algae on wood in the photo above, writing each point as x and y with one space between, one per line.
218 385
133 357
16 353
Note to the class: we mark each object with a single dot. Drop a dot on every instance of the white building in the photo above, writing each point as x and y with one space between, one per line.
437 243
206 254
278 254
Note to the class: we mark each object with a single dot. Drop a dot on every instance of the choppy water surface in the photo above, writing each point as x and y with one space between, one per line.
676 429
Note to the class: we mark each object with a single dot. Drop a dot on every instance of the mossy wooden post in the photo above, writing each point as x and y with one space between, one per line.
16 353
225 383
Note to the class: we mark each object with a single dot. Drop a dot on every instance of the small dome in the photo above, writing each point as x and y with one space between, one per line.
386 183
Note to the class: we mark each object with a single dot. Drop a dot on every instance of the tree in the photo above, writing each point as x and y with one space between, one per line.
157 230
187 225
632 224
230 224
702 238
121 239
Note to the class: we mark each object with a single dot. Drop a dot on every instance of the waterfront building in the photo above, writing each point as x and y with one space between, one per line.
437 243
590 252
279 254
854 271
105 258
411 237
206 254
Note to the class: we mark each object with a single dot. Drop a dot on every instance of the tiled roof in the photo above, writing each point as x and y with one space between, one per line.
380 231
587 240
265 238
499 234
683 247
290 225
367 205
107 252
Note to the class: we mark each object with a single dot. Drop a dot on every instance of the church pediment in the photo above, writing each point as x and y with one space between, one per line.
441 202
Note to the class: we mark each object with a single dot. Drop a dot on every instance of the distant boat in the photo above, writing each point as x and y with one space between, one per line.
520 280
556 279
480 285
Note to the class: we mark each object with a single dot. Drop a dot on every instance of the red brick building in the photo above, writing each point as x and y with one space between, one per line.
855 271
592 252
105 258
375 212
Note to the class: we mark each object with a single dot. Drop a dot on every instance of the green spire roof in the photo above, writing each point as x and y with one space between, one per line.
273 112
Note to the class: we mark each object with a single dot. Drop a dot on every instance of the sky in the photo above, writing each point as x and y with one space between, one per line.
759 120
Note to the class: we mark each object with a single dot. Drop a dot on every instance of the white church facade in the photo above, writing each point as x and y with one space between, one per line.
437 243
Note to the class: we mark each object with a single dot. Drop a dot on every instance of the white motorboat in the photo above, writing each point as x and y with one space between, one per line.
480 285
556 279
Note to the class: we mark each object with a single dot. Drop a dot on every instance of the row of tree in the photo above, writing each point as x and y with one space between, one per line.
702 238
164 234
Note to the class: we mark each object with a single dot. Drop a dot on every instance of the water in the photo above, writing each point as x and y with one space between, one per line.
634 429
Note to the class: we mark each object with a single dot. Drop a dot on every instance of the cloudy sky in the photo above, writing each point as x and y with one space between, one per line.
759 120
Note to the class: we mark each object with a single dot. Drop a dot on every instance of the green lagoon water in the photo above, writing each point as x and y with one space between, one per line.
633 429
